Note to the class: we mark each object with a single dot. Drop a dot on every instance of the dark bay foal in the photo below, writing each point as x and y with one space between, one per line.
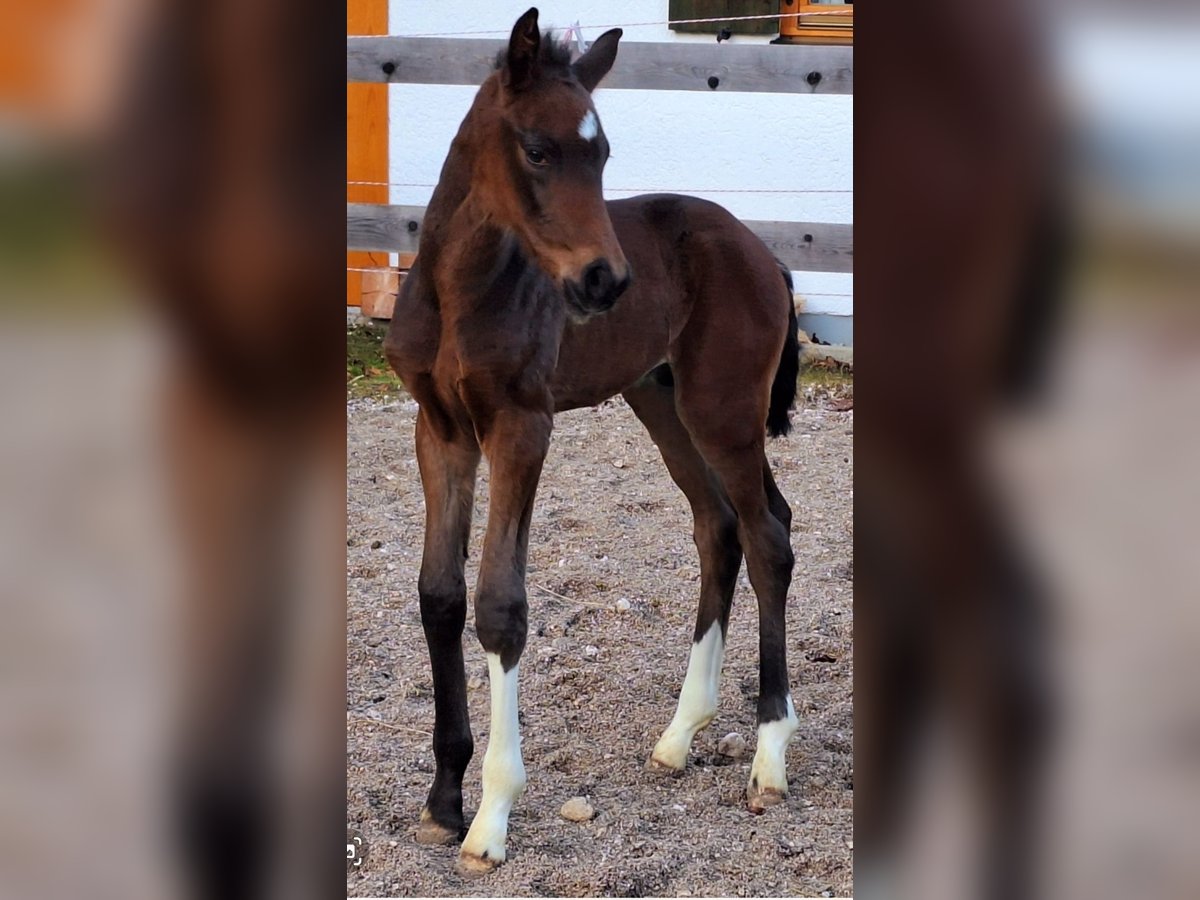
532 295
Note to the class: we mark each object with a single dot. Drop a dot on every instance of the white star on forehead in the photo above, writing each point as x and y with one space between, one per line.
589 126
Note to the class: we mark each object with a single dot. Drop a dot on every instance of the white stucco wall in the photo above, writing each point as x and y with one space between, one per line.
681 141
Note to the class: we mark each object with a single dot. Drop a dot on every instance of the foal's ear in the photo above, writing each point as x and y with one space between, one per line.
523 49
594 64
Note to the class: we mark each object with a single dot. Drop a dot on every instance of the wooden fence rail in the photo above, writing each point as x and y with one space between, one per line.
652 66
801 246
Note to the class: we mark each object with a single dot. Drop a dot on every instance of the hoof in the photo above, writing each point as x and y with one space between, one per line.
430 832
758 800
473 866
658 767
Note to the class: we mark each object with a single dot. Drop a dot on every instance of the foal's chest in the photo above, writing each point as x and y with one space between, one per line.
504 352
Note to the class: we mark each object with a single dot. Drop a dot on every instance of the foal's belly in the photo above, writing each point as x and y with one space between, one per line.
605 355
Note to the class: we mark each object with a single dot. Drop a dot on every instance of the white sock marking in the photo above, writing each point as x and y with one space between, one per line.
697 699
769 770
589 126
503 768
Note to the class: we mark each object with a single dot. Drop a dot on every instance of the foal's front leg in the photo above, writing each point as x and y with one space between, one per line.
448 478
516 447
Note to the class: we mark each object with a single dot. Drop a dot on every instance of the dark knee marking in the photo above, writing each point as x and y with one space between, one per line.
502 621
443 612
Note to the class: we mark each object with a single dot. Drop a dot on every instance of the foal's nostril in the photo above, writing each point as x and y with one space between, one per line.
598 280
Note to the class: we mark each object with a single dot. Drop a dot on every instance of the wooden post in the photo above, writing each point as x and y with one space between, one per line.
366 140
379 293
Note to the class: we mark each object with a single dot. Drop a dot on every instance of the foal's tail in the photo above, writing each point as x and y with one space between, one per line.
783 388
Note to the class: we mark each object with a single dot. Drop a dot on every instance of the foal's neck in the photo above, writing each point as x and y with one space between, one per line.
476 263
454 181
483 268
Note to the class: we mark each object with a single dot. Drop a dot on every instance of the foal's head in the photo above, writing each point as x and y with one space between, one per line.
540 175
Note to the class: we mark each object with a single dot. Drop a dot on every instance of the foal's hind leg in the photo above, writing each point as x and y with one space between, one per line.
768 774
448 479
726 424
715 533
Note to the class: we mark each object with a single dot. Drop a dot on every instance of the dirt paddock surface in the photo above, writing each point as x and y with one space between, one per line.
600 677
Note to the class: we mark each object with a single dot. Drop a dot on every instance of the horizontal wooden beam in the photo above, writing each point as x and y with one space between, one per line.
771 68
808 246
801 246
392 228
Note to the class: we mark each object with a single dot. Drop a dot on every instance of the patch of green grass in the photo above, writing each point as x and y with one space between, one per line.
53 256
813 376
829 384
367 371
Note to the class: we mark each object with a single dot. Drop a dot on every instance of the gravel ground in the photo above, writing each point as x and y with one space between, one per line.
598 681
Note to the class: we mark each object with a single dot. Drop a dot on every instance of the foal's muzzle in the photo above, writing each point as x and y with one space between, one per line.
599 288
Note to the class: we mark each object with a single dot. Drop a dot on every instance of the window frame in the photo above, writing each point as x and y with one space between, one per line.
795 28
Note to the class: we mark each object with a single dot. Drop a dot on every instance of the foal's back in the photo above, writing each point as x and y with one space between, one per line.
699 276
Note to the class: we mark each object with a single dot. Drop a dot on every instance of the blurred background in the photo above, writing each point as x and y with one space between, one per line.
1028 377
171 458
172 495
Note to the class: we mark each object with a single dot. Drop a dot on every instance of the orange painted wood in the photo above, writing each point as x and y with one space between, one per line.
822 29
366 139
63 64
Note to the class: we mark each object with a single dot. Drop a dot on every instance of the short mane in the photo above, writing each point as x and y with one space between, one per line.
551 53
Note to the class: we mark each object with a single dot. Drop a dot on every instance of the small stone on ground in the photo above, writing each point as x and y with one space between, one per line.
732 745
577 809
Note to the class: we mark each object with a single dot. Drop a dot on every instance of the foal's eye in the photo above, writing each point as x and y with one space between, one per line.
536 157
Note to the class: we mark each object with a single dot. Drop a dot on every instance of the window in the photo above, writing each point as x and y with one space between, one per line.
835 25
709 9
